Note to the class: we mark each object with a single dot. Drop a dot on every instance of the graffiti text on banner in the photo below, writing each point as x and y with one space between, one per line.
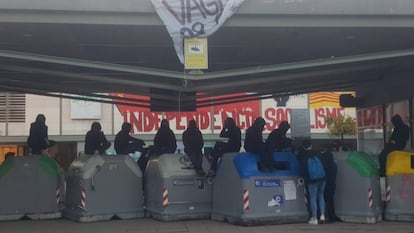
210 119
370 117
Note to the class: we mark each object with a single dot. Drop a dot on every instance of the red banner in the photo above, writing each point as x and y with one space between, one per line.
370 117
243 113
145 121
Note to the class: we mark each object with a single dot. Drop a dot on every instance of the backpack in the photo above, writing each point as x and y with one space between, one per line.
316 169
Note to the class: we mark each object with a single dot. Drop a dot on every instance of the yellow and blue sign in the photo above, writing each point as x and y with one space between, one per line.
195 53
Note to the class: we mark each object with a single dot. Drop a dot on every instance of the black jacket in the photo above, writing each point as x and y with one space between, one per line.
38 138
233 133
164 141
95 140
122 141
253 142
400 134
331 168
193 140
277 141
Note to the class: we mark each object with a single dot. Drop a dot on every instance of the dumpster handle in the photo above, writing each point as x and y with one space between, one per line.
98 168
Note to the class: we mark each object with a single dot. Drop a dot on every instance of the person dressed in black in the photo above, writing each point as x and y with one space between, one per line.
397 141
233 134
254 143
164 140
38 139
331 171
125 144
193 144
95 140
277 140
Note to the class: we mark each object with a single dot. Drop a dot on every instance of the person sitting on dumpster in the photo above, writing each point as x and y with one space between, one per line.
277 139
397 141
95 140
193 144
125 144
253 143
233 133
164 140
38 139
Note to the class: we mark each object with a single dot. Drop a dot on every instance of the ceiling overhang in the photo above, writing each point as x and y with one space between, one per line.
339 73
268 48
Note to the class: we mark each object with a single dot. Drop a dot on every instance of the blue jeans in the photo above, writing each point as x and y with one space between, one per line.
316 191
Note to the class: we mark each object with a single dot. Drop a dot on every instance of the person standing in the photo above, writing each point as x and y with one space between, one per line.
331 169
397 141
164 140
253 143
95 140
233 133
38 139
125 144
193 144
313 172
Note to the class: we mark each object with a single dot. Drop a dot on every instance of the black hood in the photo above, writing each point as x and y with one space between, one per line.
397 121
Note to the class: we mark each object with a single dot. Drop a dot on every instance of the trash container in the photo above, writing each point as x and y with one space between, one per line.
357 194
244 195
400 186
100 187
174 192
30 186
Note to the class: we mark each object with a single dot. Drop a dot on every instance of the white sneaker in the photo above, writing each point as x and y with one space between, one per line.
322 218
313 221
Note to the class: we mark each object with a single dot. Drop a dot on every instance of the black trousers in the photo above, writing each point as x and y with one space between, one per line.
196 159
266 157
382 157
37 150
135 146
329 200
216 153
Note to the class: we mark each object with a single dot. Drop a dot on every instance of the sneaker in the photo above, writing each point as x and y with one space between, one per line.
211 173
200 172
313 221
322 218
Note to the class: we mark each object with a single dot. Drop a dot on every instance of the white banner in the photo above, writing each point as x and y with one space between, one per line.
81 109
193 18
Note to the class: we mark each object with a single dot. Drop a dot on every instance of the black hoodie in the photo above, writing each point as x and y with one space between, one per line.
164 140
277 140
400 134
123 140
253 141
233 133
192 139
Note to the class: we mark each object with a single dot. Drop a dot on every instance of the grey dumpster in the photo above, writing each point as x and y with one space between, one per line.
244 195
400 186
30 186
100 187
357 194
174 192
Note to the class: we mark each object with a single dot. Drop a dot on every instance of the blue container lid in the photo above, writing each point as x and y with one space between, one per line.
246 165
